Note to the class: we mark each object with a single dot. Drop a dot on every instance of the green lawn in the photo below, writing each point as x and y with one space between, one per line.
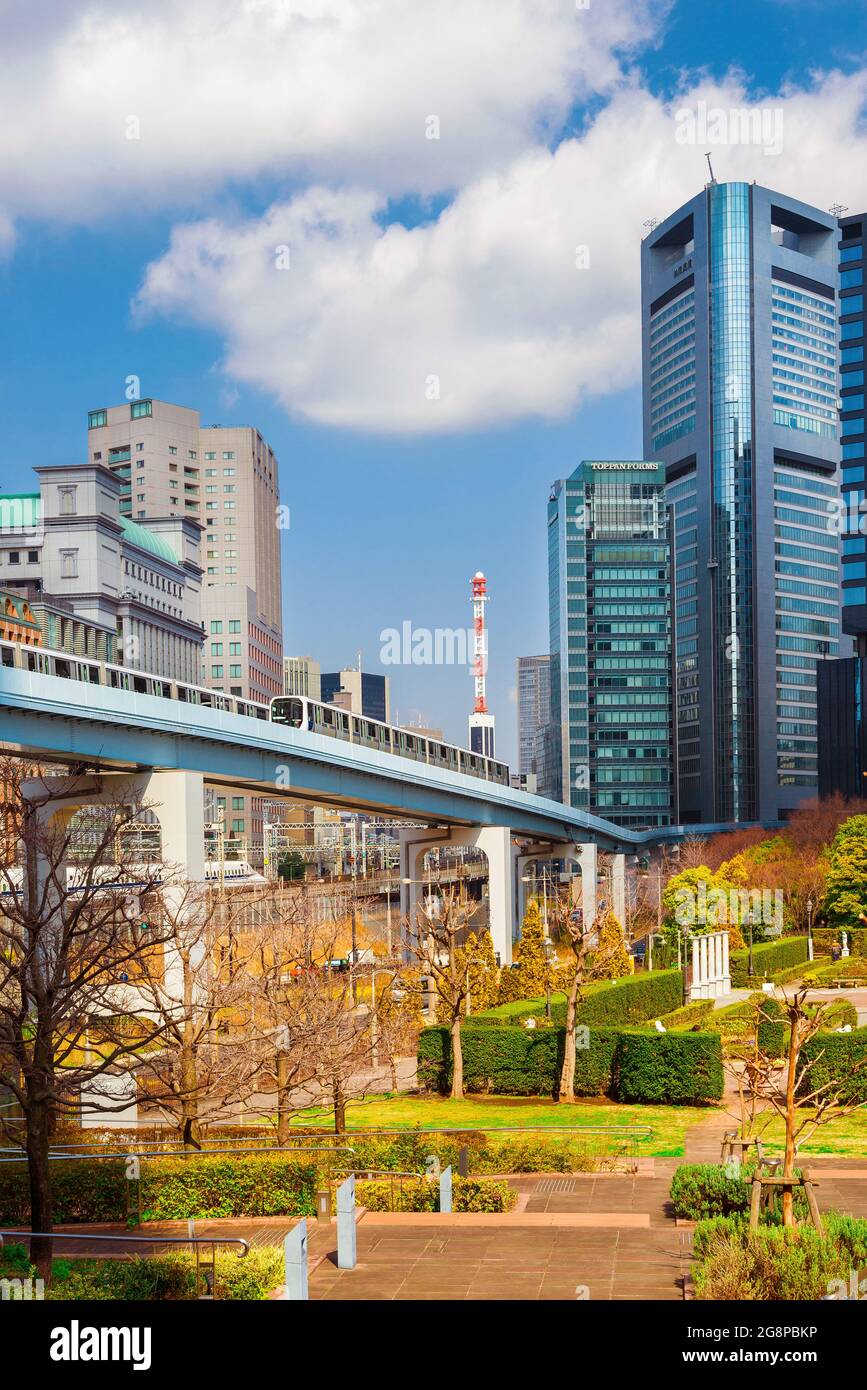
846 1136
666 1122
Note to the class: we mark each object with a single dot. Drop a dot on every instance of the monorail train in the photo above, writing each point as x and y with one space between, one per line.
293 711
302 713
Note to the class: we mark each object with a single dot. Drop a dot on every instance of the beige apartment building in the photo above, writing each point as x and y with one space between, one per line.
302 675
224 478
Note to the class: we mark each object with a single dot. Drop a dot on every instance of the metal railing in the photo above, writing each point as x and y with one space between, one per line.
206 1271
372 1174
628 1137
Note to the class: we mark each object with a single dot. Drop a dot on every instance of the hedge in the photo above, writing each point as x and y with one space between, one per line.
853 967
826 937
154 1278
768 957
468 1194
171 1189
81 1190
774 1262
688 1014
669 1068
633 999
699 1190
627 1064
833 1055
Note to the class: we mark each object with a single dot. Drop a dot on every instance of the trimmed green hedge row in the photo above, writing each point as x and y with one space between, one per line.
634 999
171 1189
634 1065
768 957
688 1014
826 937
834 1055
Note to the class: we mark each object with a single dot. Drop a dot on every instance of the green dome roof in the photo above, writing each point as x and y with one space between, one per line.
147 540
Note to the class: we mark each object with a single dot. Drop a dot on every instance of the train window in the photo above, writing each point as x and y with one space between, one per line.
61 668
356 727
328 717
139 685
8 656
93 675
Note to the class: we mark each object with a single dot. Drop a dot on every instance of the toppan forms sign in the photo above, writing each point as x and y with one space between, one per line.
630 467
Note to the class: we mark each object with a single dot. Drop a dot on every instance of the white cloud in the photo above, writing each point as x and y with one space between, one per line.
239 90
488 314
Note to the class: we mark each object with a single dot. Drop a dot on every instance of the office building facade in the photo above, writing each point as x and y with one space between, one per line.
533 684
360 692
302 676
841 687
98 584
739 328
610 638
225 479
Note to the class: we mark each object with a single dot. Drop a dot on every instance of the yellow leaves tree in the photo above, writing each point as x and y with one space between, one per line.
611 960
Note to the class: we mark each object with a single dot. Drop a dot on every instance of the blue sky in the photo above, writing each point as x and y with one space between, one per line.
389 522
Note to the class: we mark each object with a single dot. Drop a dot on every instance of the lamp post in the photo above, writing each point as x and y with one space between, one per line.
810 928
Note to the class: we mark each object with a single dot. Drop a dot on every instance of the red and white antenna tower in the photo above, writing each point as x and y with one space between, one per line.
480 641
481 722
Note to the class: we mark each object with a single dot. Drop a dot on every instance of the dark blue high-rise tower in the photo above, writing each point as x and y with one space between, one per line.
739 327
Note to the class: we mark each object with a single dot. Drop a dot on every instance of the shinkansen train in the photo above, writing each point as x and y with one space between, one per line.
302 713
293 711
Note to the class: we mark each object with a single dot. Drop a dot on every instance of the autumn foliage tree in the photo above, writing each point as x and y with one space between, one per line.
530 974
610 960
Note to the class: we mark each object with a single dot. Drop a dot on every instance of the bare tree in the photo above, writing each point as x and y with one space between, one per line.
320 1043
69 939
198 993
802 1106
436 944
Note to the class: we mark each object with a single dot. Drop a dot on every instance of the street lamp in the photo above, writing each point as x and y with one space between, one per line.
810 927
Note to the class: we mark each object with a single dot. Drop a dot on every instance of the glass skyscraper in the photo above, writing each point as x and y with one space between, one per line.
739 327
843 683
534 711
610 638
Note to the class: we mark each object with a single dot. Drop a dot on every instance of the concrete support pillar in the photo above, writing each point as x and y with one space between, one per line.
522 889
618 888
178 800
588 855
495 842
695 980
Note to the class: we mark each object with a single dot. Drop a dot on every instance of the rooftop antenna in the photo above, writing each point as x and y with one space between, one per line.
359 661
710 167
837 209
649 225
